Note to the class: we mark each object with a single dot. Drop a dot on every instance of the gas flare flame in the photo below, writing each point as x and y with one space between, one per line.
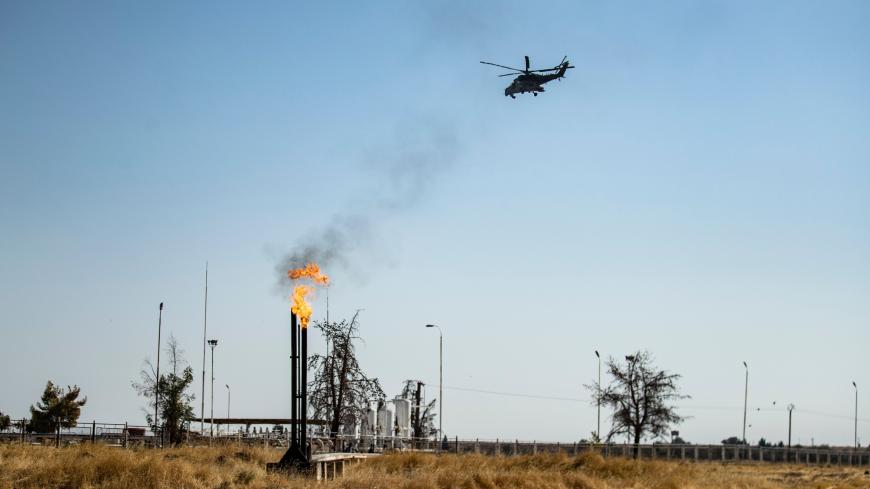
310 271
299 305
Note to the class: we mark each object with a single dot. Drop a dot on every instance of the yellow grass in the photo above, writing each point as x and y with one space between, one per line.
231 467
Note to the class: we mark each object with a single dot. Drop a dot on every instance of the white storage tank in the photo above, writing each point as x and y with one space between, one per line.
403 416
386 420
371 421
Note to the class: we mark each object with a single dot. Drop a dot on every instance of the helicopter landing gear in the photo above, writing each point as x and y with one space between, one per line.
535 94
513 96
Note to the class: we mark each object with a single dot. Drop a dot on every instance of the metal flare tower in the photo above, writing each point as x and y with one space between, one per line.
298 456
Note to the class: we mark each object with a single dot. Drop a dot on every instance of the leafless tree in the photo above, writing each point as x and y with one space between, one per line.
340 391
640 396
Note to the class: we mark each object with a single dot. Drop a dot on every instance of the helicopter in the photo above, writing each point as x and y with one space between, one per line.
528 80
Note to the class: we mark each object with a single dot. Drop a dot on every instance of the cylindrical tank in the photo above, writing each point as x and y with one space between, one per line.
371 421
386 420
403 416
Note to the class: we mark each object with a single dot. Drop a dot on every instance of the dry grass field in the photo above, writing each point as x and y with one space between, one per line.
231 467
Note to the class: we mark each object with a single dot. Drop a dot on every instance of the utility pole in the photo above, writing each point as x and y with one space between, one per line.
204 328
856 413
212 344
228 405
790 409
745 399
157 378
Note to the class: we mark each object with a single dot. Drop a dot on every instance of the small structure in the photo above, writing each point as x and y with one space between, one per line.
329 466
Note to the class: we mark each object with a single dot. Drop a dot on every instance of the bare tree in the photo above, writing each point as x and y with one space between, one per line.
640 396
175 402
340 391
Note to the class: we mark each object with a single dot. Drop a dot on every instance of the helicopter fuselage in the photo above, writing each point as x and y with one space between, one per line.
532 83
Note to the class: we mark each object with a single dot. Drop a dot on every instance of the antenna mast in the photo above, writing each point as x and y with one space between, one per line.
204 328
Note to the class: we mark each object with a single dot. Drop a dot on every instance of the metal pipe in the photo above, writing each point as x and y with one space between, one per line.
157 378
303 394
294 388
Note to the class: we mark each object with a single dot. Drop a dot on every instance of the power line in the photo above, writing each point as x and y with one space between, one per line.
682 406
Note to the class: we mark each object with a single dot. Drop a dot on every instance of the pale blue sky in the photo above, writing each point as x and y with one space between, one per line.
698 186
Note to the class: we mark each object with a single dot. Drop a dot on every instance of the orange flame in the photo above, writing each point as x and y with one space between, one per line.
299 305
309 271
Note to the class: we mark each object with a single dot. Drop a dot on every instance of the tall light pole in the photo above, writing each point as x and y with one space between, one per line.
228 406
856 412
440 381
630 359
745 399
598 430
157 378
790 409
212 344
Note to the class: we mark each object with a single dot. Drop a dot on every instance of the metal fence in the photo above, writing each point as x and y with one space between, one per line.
126 435
689 453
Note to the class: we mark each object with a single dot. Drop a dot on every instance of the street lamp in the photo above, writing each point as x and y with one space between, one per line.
630 359
598 432
745 399
440 381
856 412
790 409
228 407
212 344
157 378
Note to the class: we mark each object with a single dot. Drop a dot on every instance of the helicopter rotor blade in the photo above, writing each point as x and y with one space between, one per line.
550 69
512 74
501 66
527 63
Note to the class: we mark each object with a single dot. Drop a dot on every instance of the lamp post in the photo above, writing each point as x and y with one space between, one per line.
790 409
157 378
598 430
228 406
745 399
856 412
630 359
212 344
440 382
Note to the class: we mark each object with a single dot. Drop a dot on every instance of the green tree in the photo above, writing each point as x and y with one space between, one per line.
58 408
5 421
174 407
640 397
